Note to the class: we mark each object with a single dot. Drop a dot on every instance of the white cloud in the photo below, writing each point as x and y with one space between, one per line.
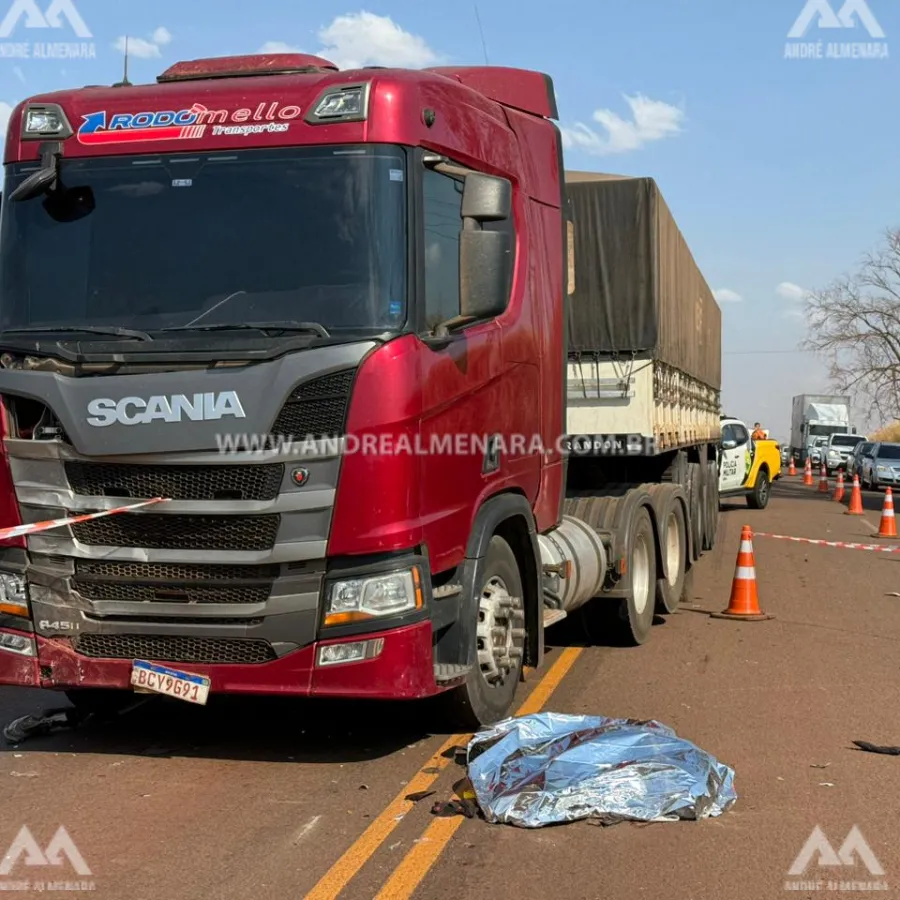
787 290
365 39
144 48
278 47
651 120
726 295
5 112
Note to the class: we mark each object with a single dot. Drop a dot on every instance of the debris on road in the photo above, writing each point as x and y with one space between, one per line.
62 717
874 748
549 768
33 726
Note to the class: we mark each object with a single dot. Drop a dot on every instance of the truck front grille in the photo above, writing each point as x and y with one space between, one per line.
139 571
317 409
128 592
161 532
162 648
134 582
209 482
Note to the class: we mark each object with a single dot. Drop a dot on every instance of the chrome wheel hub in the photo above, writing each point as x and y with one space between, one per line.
500 635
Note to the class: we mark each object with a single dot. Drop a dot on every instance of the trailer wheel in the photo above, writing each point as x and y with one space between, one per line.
487 694
696 497
631 618
711 519
673 542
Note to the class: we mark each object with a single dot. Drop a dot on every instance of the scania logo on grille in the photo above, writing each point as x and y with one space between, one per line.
300 476
173 408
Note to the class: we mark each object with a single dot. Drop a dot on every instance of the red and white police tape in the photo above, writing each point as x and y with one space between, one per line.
19 530
843 545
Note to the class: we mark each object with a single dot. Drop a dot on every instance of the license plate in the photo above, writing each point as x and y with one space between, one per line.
146 677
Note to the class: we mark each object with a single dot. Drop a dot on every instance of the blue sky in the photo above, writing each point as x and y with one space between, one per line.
780 172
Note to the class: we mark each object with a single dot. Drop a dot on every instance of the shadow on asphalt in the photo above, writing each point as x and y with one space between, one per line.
260 729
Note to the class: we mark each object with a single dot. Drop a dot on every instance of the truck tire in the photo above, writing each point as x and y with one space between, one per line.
758 498
632 617
673 544
487 694
711 519
695 507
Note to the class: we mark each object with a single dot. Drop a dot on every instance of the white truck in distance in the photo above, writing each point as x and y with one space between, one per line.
817 416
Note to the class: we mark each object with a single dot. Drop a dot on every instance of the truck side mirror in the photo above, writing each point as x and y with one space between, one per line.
485 270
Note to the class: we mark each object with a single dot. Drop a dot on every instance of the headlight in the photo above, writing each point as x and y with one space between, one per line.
358 599
13 594
883 469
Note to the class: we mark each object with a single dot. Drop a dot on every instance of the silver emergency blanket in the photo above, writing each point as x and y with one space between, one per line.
549 768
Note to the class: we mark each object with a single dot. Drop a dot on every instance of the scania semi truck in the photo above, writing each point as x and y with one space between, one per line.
267 291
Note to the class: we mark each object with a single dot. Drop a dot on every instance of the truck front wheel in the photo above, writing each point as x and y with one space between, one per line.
487 694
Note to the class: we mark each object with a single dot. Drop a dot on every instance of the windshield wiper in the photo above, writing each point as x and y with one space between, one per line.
110 330
311 327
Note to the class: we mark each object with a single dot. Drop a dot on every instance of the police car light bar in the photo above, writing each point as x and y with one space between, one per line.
44 121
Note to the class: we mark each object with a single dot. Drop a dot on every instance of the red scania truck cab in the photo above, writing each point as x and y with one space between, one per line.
227 289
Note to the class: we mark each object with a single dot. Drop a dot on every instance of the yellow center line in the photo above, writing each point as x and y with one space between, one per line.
423 855
360 851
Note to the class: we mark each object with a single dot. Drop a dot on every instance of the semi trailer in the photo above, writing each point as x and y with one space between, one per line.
267 291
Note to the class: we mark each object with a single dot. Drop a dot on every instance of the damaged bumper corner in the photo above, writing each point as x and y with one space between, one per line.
400 669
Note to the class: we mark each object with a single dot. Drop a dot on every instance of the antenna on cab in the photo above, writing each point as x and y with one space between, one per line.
124 82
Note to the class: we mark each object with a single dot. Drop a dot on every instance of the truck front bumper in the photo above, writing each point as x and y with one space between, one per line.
401 670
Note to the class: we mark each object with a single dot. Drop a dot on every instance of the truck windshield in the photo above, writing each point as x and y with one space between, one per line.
154 242
825 430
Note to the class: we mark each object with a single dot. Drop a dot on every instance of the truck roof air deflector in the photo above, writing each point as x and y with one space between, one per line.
245 66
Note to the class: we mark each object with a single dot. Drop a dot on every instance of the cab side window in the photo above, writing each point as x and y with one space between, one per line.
741 435
728 433
442 202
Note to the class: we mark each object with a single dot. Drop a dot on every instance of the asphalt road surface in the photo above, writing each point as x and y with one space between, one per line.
252 799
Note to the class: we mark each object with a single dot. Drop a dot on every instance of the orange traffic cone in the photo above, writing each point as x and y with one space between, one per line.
888 527
823 481
744 603
838 494
792 469
856 507
807 472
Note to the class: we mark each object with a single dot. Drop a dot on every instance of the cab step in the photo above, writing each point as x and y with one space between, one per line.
552 616
447 672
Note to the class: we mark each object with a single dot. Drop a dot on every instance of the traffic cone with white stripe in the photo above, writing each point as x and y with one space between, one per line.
744 603
823 480
856 507
807 472
888 527
838 494
792 469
